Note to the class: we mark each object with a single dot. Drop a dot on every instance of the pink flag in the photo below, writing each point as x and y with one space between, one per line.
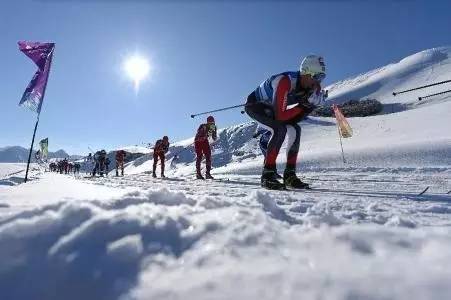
343 126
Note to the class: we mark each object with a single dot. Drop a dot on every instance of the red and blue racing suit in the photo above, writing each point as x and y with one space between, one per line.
276 107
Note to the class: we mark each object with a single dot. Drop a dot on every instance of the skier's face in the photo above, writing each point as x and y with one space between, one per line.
308 83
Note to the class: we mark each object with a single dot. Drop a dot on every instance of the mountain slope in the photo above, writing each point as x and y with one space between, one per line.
428 66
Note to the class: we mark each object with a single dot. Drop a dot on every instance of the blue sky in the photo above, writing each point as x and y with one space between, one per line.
205 55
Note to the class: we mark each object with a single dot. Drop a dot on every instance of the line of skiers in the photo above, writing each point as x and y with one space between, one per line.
65 167
99 163
202 148
278 104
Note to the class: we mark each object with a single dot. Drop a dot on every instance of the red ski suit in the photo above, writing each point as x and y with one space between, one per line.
120 157
202 146
160 149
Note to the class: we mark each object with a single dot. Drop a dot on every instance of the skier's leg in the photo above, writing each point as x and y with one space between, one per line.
199 155
294 137
101 167
289 175
263 145
155 161
162 159
117 167
207 151
259 112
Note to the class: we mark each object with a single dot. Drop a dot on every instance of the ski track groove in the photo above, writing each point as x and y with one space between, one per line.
359 197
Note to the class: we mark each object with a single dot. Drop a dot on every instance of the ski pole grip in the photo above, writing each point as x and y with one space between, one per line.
192 116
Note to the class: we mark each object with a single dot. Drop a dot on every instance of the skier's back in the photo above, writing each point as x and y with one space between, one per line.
202 146
120 157
159 152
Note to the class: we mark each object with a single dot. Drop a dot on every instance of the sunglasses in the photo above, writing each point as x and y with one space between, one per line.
319 76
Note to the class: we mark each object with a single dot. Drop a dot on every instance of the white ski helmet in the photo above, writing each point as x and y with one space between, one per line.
314 66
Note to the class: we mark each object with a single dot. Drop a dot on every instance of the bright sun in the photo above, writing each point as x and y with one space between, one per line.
137 69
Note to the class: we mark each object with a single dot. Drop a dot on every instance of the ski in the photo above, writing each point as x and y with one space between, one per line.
424 191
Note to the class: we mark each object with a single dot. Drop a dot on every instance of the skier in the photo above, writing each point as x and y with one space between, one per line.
99 158
120 157
65 166
102 159
76 168
37 155
278 104
160 149
107 165
96 163
89 164
202 146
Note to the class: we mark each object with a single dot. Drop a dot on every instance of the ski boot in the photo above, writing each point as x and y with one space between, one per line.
269 180
162 175
208 176
199 176
154 175
292 181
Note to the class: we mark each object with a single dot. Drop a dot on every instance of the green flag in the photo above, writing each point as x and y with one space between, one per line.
44 148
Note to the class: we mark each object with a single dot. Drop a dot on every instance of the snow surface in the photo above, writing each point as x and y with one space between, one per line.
363 232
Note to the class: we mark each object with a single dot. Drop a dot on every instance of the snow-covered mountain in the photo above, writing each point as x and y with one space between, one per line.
15 154
375 227
426 67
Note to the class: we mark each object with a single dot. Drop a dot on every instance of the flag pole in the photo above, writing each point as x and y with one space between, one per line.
39 113
31 149
341 144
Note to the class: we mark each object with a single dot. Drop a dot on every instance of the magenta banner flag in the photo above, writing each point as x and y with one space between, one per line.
41 54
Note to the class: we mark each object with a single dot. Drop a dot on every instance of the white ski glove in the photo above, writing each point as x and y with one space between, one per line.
318 98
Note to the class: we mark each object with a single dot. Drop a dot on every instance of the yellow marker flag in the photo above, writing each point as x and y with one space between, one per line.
344 128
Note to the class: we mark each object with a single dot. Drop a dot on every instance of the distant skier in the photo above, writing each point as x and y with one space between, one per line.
278 104
160 150
99 158
120 158
107 165
76 168
37 155
65 166
202 146
89 164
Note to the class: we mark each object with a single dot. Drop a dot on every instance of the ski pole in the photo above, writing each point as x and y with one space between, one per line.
216 110
421 98
420 87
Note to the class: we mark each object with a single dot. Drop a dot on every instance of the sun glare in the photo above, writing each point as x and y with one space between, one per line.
137 69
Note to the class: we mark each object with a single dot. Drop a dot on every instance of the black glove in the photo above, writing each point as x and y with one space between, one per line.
292 98
307 107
